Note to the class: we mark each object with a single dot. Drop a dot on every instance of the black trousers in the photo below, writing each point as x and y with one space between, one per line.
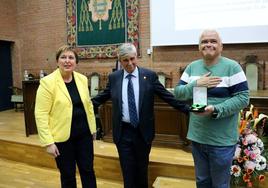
77 150
134 157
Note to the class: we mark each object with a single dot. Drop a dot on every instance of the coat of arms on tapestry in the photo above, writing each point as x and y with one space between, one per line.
98 27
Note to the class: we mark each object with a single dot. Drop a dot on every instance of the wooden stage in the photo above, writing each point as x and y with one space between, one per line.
24 163
24 159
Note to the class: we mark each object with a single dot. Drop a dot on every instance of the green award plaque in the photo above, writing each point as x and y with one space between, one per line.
199 99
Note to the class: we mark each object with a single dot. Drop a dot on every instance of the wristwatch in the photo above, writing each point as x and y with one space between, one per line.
214 113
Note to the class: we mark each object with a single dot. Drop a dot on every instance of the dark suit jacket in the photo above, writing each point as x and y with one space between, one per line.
149 86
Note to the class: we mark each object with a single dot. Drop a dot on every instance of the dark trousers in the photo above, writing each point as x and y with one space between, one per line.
77 150
134 157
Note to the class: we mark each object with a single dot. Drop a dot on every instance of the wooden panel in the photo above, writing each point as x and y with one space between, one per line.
260 100
29 93
163 161
171 125
260 104
166 182
15 174
26 153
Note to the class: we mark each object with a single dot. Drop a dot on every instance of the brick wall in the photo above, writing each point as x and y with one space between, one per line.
38 28
8 31
42 29
8 20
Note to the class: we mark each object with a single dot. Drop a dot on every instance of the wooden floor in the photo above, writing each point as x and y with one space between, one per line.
16 174
38 170
12 128
20 175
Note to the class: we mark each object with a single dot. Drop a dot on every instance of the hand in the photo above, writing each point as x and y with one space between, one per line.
94 136
208 111
208 81
53 150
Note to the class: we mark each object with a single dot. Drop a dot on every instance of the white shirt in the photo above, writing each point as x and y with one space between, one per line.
136 87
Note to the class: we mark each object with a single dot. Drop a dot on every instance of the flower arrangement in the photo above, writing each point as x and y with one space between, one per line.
250 160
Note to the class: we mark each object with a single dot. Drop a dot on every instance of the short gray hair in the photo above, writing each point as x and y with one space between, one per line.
125 50
210 31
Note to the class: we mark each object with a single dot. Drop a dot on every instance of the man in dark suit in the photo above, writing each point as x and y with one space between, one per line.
132 91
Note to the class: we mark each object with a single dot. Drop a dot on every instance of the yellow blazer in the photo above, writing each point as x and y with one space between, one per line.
53 107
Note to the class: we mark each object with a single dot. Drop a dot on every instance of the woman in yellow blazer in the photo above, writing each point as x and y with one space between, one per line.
65 120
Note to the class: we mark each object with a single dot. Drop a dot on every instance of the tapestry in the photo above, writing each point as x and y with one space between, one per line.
97 27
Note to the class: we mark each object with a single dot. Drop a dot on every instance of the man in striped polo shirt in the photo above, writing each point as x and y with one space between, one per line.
214 132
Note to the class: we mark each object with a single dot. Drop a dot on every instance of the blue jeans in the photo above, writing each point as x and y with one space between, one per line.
212 165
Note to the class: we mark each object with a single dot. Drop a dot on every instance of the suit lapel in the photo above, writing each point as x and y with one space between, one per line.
119 89
62 85
142 84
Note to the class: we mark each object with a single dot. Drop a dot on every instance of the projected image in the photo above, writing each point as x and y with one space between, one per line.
180 22
192 14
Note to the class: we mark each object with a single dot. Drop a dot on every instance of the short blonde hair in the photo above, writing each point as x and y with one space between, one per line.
66 48
125 50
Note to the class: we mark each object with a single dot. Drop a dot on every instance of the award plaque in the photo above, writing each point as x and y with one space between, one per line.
199 99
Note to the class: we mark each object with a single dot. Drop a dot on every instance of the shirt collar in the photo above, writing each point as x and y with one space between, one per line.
135 73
